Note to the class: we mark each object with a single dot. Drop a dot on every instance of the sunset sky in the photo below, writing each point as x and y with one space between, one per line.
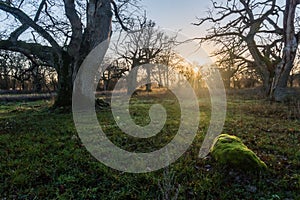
179 15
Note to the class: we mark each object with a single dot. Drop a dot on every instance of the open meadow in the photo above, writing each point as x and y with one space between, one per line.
42 156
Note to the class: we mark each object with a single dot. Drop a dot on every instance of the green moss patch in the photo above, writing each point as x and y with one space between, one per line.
230 150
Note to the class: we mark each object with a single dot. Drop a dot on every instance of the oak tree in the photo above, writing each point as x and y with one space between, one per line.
264 43
62 33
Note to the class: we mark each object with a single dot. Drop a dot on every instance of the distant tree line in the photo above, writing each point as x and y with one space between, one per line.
18 73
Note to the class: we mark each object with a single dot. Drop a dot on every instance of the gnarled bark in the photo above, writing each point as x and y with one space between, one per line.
279 90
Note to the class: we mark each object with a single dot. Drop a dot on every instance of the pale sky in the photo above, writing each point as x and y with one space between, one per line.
179 15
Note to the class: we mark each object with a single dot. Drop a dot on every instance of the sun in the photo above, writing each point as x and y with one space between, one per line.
196 69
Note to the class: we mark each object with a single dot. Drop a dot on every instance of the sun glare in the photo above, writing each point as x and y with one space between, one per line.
196 69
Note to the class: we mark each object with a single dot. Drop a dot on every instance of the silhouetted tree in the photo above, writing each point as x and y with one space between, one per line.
264 44
62 33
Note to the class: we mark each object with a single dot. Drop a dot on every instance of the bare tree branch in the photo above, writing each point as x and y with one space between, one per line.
76 25
15 35
31 50
116 12
24 19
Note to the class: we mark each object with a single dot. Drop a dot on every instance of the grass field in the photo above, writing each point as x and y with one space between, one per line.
43 158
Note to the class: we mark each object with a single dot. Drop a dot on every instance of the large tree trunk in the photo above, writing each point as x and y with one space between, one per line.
65 83
265 70
267 83
98 29
279 90
148 85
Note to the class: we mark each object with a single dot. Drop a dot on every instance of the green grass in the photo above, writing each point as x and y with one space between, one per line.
42 157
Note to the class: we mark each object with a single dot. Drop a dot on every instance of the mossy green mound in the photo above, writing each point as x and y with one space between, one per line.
230 150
